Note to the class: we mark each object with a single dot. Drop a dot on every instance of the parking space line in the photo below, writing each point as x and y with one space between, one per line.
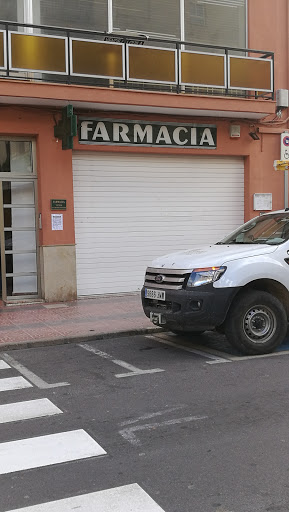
37 381
151 415
133 370
261 356
214 359
129 433
216 356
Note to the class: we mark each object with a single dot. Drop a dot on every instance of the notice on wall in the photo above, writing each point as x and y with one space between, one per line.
57 221
263 202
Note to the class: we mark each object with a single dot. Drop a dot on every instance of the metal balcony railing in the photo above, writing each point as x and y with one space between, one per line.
37 52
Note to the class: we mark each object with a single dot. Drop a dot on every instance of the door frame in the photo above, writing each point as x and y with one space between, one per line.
13 177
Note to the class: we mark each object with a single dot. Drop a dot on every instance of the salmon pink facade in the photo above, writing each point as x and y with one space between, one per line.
86 241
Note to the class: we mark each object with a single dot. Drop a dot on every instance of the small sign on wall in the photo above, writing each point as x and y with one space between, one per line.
263 202
58 204
57 221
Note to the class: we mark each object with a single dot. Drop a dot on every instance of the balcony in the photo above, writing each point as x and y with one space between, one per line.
66 56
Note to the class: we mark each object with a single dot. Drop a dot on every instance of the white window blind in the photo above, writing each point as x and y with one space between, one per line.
11 10
80 14
216 22
161 18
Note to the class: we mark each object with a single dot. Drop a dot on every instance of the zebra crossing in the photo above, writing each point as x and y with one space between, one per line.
58 448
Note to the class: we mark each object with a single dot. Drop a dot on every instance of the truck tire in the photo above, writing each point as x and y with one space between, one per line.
256 323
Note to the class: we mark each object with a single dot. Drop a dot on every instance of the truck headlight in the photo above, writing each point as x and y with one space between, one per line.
200 276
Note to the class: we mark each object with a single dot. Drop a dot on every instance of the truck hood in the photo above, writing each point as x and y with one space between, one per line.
209 256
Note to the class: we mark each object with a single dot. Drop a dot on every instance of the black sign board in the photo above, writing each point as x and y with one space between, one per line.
119 39
140 133
58 204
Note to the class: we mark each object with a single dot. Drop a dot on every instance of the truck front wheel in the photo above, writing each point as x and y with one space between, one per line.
256 323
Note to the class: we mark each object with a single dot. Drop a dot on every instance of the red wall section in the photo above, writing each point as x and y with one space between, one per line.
54 168
268 30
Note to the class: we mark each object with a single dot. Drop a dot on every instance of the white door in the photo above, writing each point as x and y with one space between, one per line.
130 209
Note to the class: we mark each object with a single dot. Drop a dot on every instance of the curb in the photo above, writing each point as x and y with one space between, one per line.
77 339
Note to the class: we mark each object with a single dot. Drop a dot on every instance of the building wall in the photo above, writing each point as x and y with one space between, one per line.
268 28
54 171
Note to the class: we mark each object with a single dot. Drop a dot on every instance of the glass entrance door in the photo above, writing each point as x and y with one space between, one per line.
18 221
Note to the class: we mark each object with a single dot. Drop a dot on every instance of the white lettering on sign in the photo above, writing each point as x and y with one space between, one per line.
163 136
86 126
176 135
193 136
100 132
207 137
141 133
120 131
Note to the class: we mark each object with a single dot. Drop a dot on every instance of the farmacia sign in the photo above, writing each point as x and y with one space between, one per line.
139 133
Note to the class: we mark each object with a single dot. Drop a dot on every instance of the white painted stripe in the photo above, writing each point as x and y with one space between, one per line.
3 365
14 383
151 415
119 499
37 381
42 451
129 433
27 410
166 341
133 370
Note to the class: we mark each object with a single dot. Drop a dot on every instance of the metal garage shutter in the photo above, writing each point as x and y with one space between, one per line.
131 208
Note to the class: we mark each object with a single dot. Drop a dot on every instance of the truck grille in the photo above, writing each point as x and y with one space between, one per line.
171 279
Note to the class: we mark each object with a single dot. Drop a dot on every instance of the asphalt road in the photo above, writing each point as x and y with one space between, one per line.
173 430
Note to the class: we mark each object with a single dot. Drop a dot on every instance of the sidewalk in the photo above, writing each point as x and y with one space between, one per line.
84 319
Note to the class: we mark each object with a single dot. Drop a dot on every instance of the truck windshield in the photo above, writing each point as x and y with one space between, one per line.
267 229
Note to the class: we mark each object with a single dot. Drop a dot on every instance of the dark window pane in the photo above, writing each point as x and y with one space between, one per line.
212 22
4 156
149 17
11 10
81 14
9 263
8 241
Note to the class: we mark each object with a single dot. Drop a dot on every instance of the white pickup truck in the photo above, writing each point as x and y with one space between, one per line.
239 286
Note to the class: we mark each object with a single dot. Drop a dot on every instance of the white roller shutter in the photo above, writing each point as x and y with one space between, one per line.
130 209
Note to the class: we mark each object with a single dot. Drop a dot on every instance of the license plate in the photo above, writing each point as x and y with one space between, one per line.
155 294
157 319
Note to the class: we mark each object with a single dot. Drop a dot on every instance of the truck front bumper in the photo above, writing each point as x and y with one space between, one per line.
200 309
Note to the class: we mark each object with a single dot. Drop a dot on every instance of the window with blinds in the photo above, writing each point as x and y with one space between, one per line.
79 14
11 10
216 22
156 18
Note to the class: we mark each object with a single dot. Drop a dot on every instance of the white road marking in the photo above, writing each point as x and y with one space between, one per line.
37 381
129 433
133 370
43 451
14 383
27 410
3 365
127 498
151 415
203 353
